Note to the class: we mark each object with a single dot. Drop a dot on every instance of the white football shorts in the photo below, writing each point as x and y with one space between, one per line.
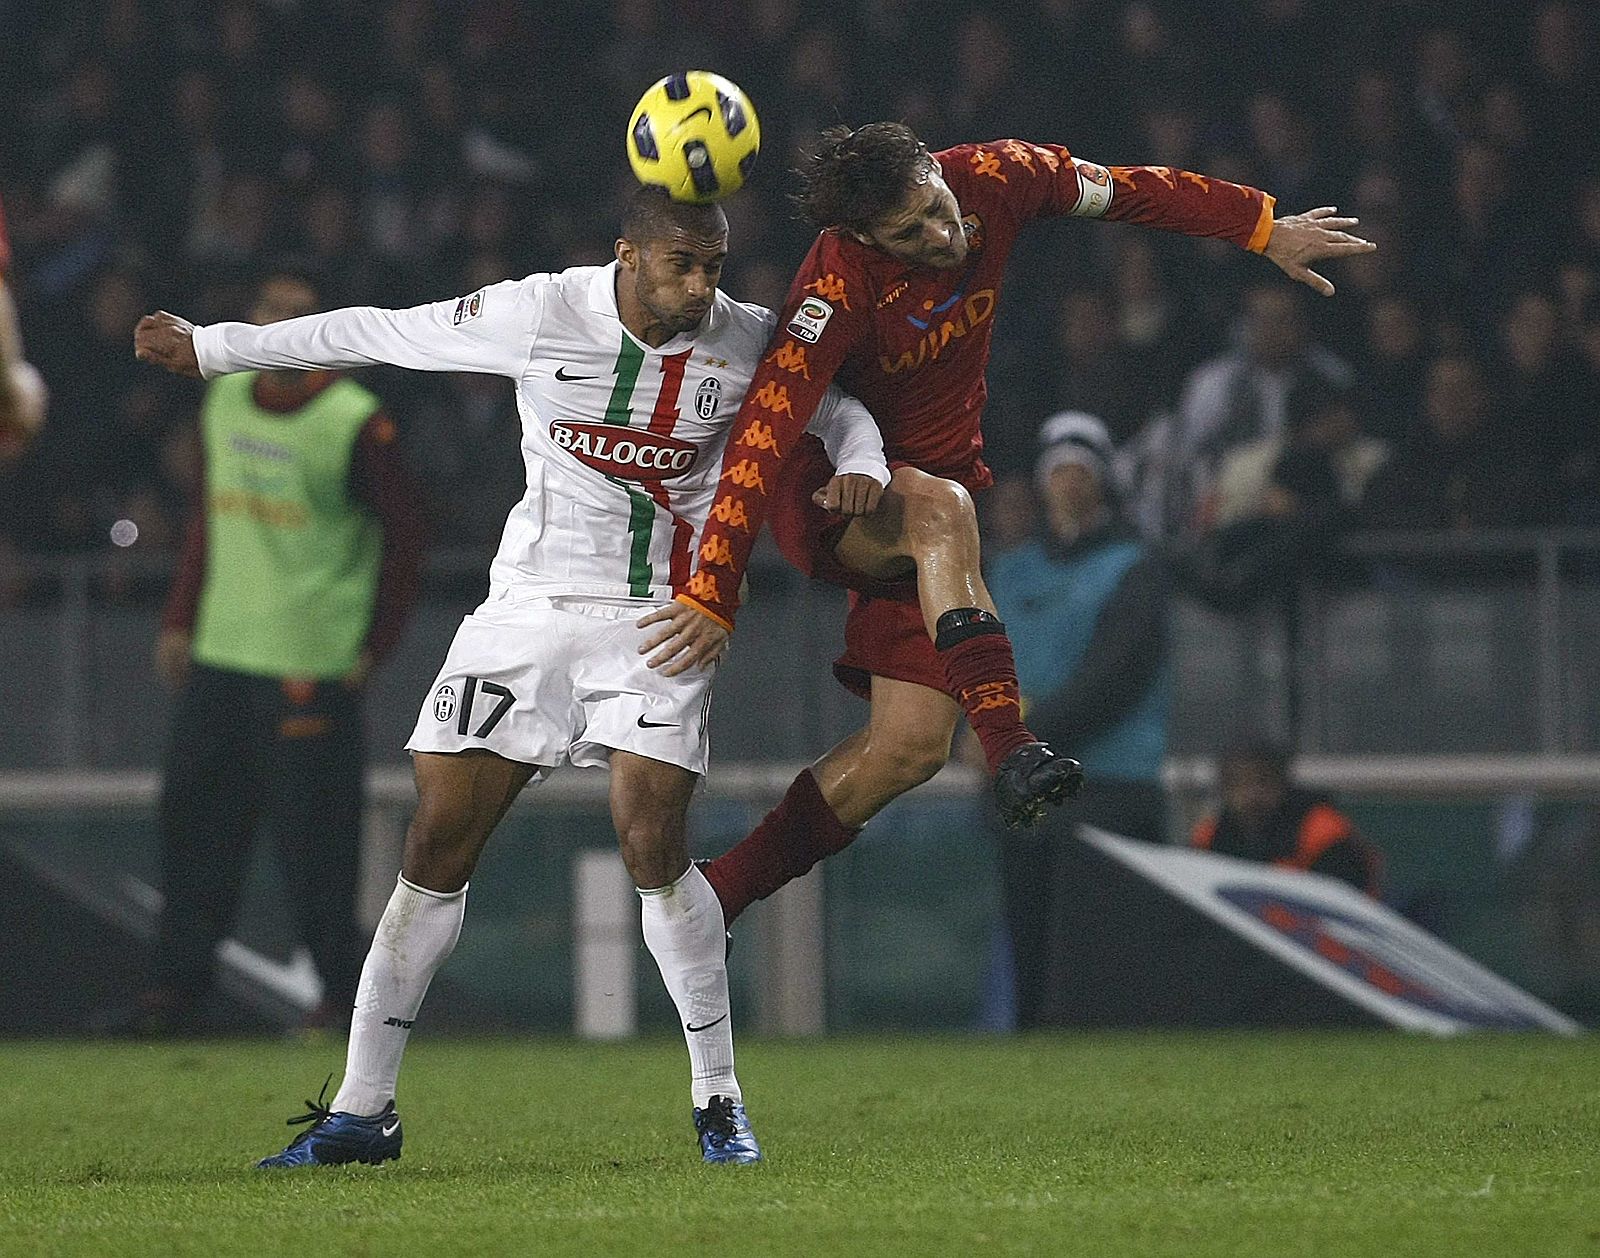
553 681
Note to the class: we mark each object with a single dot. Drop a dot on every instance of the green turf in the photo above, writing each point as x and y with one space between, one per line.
1107 1145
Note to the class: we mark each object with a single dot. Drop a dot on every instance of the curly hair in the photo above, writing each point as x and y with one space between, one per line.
853 177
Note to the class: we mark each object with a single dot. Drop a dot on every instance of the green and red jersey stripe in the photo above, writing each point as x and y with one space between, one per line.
663 419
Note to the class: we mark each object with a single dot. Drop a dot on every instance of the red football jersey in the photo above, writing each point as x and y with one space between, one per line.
912 342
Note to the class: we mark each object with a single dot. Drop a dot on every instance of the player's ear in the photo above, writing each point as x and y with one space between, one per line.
627 254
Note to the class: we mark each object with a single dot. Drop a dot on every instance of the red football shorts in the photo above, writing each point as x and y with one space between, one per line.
883 634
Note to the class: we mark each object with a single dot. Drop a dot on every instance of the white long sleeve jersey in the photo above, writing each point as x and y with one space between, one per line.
622 442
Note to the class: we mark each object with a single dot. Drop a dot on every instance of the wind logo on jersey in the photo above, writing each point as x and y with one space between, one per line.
469 307
626 453
953 322
708 397
830 288
810 320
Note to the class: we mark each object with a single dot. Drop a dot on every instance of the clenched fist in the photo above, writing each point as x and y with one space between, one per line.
167 341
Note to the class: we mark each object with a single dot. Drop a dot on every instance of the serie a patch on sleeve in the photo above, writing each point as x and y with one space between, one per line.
810 319
1094 190
469 307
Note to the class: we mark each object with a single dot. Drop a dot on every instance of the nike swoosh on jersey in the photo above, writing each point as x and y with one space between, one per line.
644 724
559 376
689 1026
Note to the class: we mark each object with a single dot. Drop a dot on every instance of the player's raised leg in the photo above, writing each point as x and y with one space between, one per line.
684 930
906 741
926 526
461 797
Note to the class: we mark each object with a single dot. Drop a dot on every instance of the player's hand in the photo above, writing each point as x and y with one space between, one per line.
684 638
167 341
172 657
1301 239
849 495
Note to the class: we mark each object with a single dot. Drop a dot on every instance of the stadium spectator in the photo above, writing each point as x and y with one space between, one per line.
1456 471
1264 818
352 143
1087 609
1552 402
1281 503
1315 470
1243 395
298 573
1392 365
1094 371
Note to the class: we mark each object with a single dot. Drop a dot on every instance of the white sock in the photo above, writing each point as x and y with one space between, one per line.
414 936
684 930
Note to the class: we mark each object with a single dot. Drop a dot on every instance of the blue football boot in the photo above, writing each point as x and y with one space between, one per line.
724 1131
334 1137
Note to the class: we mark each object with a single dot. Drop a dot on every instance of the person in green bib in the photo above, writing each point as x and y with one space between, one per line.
297 575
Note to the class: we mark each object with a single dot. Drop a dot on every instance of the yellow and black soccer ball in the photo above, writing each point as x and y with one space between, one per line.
694 134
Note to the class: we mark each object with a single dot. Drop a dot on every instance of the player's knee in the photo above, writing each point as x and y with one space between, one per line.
938 512
653 851
911 762
439 852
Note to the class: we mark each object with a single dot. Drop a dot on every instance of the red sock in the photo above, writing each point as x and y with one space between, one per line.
981 675
793 837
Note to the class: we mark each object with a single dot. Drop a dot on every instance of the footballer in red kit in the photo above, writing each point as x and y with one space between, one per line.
896 302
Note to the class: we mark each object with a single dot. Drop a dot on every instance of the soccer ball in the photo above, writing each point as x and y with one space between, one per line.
694 134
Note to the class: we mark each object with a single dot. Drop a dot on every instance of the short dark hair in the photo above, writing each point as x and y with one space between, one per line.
652 215
851 178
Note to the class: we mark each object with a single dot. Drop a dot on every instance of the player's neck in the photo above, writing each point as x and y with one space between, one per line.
638 320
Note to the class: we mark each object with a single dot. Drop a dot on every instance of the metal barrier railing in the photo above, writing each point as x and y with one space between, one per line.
62 606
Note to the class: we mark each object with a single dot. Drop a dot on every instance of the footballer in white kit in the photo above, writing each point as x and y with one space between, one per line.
623 444
628 378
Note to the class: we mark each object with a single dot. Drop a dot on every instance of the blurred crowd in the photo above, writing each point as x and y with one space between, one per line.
162 153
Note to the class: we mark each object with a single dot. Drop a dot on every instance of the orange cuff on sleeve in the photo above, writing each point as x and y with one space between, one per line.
703 610
1263 232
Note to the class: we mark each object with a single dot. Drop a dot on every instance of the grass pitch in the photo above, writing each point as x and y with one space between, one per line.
1326 1145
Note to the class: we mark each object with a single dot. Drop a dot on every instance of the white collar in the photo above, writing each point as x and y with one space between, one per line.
603 300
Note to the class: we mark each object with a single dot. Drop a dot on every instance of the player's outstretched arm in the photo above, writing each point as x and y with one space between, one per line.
490 331
1300 240
1047 179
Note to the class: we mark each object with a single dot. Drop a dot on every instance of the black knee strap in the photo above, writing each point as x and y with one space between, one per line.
961 623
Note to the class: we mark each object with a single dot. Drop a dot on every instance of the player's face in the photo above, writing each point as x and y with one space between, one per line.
925 228
675 279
